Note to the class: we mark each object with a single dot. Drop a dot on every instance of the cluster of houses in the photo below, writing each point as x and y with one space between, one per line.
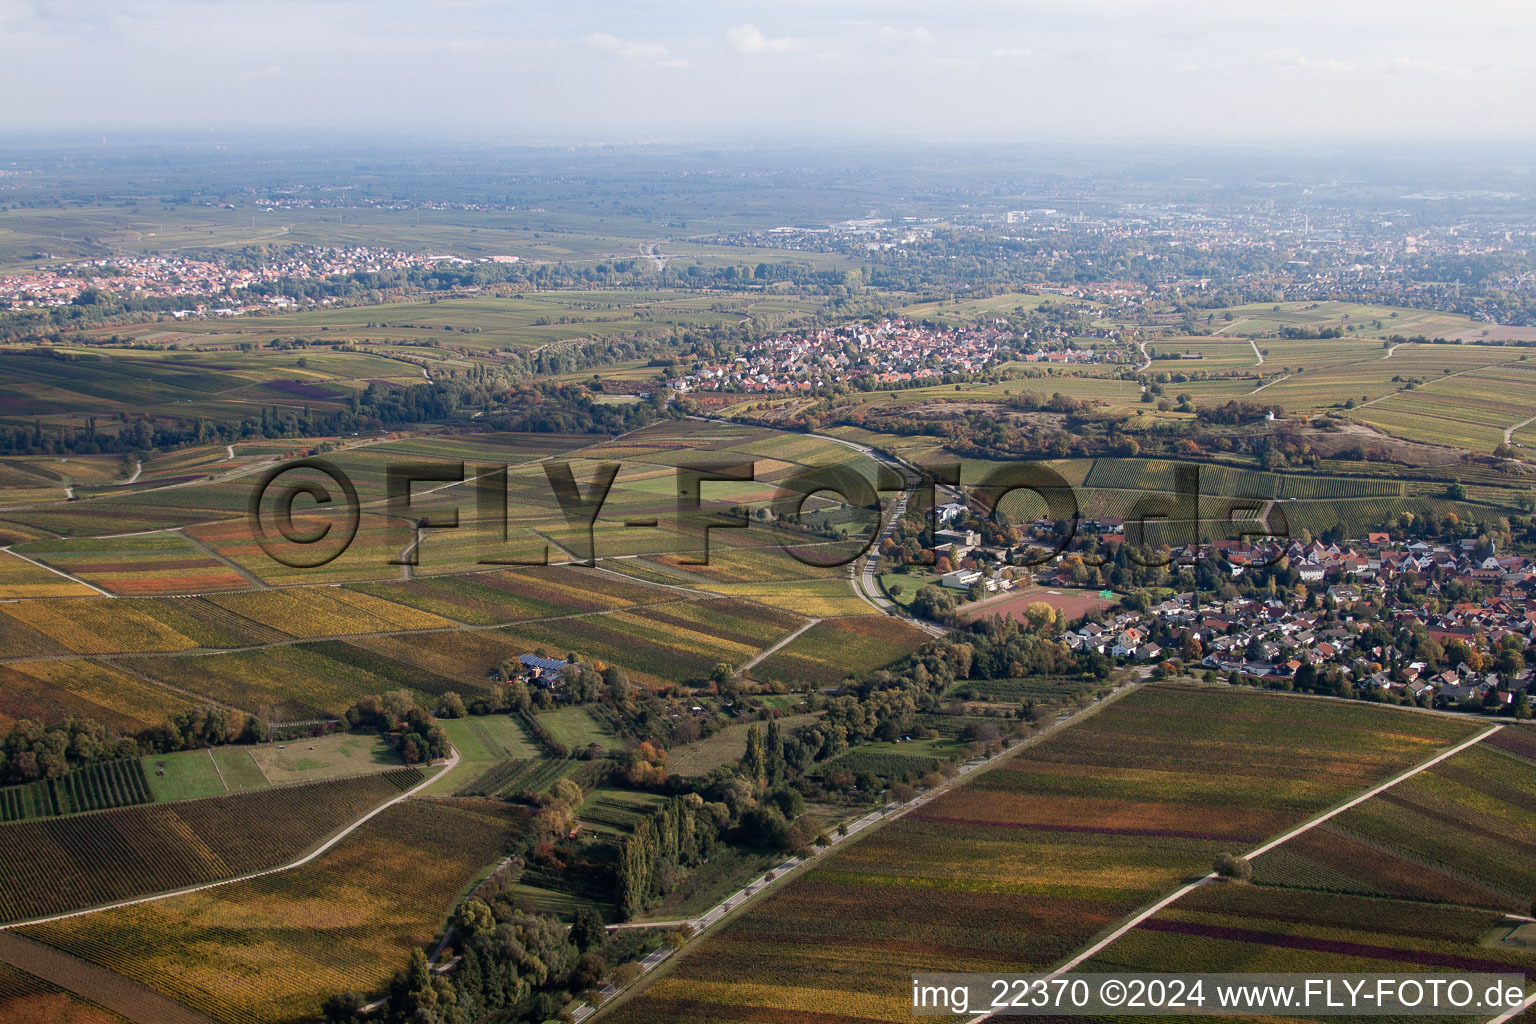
172 276
1277 637
891 352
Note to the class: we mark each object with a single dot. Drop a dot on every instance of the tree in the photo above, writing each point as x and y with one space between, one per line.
590 969
932 603
619 688
587 929
1233 868
754 762
451 705
343 1007
473 918
1191 651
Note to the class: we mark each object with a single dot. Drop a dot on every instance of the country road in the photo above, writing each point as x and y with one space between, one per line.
1277 380
792 865
1431 383
308 858
764 654
861 572
1307 826
57 572
1509 434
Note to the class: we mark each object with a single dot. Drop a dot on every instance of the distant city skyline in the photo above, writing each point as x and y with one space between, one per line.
984 70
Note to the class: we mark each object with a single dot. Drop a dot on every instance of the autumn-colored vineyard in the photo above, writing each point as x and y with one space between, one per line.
272 949
1019 867
28 1000
95 788
56 865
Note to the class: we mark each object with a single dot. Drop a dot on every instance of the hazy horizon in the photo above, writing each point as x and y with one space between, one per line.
1133 71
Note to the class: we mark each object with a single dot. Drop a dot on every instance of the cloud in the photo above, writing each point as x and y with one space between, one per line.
1301 62
269 72
1016 53
636 52
1415 66
914 37
750 39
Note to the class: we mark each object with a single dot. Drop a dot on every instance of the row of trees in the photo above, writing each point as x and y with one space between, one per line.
32 750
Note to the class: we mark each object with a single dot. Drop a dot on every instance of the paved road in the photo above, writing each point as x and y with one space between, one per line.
751 664
862 571
58 572
1103 943
791 865
291 865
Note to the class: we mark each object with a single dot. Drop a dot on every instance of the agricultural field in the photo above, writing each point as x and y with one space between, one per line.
1463 832
1418 878
515 778
505 736
26 481
62 864
233 952
51 691
1258 928
1073 604
906 760
25 999
300 682
726 746
1040 689
664 644
613 812
515 595
834 649
576 728
94 788
815 598
139 565
87 626
457 660
960 312
327 611
144 625
1469 408
20 578
1022 864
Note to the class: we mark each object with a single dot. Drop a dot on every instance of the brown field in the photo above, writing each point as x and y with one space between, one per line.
1073 604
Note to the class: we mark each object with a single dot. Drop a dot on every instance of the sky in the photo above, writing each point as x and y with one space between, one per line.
718 70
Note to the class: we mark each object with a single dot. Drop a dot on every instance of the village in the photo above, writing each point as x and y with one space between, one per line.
156 276
890 353
1438 625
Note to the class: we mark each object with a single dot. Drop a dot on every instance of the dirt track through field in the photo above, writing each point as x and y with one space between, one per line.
100 986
